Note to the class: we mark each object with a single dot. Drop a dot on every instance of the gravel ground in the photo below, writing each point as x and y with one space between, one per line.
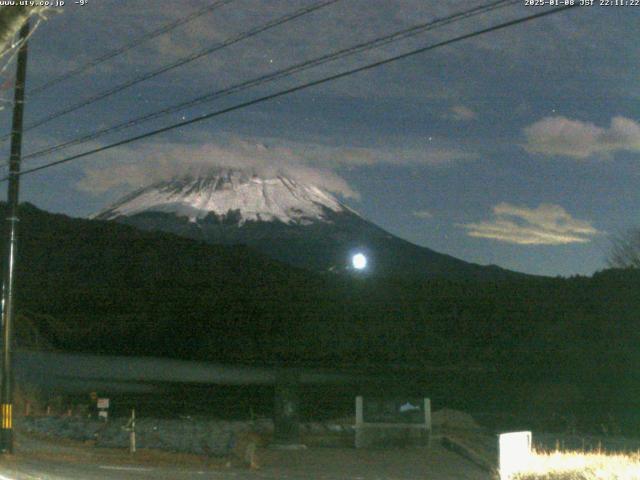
69 460
204 435
202 446
199 436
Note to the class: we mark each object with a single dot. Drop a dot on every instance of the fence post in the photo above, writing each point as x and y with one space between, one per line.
132 435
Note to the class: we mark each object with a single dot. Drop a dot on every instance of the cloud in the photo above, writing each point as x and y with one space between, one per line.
460 113
545 225
574 138
310 36
418 155
140 165
422 214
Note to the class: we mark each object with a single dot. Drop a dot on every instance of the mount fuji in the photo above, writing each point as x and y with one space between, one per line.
234 196
294 222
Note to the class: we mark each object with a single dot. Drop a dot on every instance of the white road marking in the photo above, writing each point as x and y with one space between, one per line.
131 469
28 477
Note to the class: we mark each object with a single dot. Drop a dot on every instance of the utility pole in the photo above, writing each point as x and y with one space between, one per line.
6 388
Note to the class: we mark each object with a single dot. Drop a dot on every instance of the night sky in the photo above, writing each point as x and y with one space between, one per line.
518 148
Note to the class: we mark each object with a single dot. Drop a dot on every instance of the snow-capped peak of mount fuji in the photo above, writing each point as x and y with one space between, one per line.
248 197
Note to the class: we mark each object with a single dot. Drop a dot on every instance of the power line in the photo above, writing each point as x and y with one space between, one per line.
293 69
298 88
301 87
128 46
230 41
15 48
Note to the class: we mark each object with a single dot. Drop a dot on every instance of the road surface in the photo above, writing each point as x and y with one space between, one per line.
44 459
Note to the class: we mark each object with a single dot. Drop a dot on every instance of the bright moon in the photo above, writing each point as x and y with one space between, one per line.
359 261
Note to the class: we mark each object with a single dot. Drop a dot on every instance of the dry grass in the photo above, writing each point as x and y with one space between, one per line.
581 466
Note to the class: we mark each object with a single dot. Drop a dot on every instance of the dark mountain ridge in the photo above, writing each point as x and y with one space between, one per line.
299 224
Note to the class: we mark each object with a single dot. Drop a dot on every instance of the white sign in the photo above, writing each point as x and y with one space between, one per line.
103 403
514 450
408 407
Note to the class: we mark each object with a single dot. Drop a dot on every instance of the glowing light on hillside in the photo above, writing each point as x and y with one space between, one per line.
359 261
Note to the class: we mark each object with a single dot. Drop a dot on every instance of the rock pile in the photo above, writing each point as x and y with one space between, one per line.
194 435
448 419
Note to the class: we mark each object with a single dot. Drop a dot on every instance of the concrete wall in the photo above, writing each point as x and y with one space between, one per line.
392 434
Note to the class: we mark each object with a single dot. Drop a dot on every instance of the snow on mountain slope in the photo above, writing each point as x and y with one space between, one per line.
223 191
